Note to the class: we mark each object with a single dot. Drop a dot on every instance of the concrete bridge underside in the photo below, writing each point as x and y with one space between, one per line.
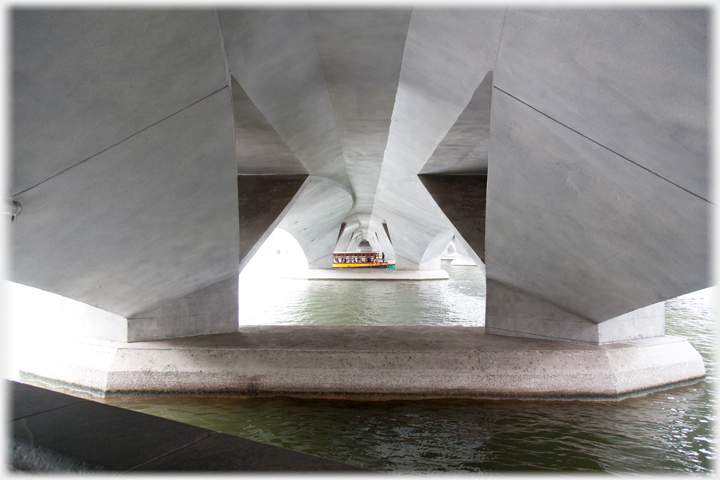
153 151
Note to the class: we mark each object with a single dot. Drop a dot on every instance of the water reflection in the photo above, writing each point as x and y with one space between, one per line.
458 301
670 431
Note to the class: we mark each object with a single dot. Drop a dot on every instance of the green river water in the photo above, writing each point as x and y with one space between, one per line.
669 431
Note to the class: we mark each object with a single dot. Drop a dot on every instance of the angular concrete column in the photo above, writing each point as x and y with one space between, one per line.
315 219
213 309
36 313
519 314
263 201
462 260
462 246
597 205
270 176
462 199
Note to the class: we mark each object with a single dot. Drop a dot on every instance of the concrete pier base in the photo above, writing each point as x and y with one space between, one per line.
370 274
367 363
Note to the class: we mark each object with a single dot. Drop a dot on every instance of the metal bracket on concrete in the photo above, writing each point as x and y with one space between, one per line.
12 208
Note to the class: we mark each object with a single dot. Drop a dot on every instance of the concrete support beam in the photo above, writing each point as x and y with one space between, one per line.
597 195
273 55
86 80
31 310
462 199
519 314
464 150
447 55
151 219
263 201
259 148
315 219
213 309
582 227
634 80
462 246
418 228
381 232
361 52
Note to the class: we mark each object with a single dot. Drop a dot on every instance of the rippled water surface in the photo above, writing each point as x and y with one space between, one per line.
459 301
668 431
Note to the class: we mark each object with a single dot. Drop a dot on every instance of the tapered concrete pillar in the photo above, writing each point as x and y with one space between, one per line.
263 201
462 199
462 260
315 219
209 310
512 312
597 205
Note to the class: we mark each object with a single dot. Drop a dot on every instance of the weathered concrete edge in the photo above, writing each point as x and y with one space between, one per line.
368 397
591 374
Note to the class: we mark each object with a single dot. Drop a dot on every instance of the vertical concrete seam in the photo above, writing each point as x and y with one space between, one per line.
497 48
223 51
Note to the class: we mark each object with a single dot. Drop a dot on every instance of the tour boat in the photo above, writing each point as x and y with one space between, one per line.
359 260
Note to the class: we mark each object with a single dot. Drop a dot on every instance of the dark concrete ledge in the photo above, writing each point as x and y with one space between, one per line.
52 431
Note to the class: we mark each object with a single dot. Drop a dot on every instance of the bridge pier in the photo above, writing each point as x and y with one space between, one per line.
566 150
366 363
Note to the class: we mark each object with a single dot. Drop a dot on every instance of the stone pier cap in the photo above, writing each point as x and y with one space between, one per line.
367 363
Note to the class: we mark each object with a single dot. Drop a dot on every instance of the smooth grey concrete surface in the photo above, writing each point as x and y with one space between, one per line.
597 181
464 149
213 309
86 80
581 227
274 56
258 147
370 274
447 56
633 80
55 432
418 228
365 363
516 313
119 231
361 53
